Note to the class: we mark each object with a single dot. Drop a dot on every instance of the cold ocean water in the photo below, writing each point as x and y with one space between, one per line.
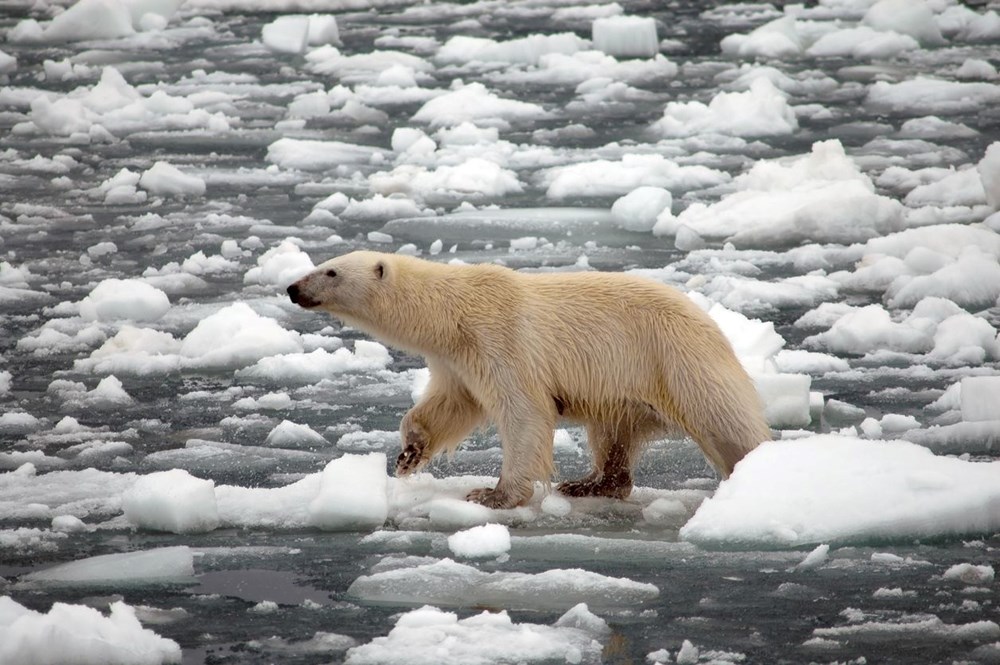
817 177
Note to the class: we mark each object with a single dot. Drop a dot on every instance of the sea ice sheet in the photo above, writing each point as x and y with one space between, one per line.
833 489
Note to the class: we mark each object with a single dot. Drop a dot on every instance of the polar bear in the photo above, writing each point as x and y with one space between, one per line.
630 358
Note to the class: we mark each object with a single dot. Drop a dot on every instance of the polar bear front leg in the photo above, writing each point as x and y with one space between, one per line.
525 427
441 419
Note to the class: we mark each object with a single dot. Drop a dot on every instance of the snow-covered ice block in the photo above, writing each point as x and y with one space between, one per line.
323 29
461 49
294 435
474 103
352 494
785 398
980 398
81 635
155 566
173 501
317 365
310 155
280 266
638 210
989 172
831 489
429 635
448 583
821 197
763 110
235 336
779 38
970 573
909 17
117 299
165 179
473 176
626 36
286 34
487 540
84 20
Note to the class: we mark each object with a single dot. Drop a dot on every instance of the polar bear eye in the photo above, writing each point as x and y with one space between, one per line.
380 270
331 273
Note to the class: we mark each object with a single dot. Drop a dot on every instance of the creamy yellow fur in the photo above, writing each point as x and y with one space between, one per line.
628 357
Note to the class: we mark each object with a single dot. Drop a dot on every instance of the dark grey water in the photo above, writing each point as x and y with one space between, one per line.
753 607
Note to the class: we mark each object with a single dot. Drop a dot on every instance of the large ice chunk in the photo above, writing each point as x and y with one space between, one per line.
474 103
989 172
453 584
763 110
80 635
431 636
352 494
286 34
173 501
785 398
820 197
980 398
831 489
162 564
909 17
487 540
132 299
165 179
234 336
626 36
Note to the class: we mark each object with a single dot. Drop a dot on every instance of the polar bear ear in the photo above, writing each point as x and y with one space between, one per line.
380 270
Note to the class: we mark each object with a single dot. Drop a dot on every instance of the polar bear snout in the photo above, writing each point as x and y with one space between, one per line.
299 298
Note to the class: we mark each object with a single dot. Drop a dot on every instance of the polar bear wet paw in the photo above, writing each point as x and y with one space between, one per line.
414 455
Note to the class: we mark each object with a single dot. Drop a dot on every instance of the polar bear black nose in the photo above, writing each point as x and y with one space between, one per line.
293 293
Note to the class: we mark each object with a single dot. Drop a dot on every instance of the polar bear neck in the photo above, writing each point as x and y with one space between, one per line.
430 309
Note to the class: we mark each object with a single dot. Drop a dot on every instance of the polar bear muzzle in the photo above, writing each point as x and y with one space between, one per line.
299 298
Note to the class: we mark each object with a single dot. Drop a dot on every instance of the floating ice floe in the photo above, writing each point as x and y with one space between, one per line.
294 33
475 176
311 155
128 299
626 36
763 110
474 103
527 50
831 489
430 636
162 565
604 177
952 261
448 583
886 29
930 95
822 196
173 501
80 634
485 540
164 179
113 108
88 20
280 266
